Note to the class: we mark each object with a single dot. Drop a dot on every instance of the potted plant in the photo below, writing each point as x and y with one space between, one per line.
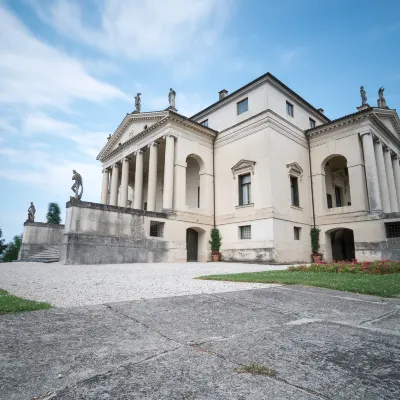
215 244
316 255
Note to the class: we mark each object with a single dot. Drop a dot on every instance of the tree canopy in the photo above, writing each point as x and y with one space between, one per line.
53 215
11 253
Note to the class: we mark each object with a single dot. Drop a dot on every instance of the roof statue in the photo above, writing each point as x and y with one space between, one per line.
77 186
363 95
381 99
138 102
31 213
171 99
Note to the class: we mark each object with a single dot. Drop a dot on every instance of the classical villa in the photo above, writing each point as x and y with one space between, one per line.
261 164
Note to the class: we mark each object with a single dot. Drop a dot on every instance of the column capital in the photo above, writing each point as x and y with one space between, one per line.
116 165
170 135
365 133
156 144
107 169
125 159
140 151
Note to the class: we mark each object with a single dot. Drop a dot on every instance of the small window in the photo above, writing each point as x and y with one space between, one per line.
294 188
392 229
312 123
204 123
245 232
329 200
244 189
157 228
289 108
145 127
243 106
338 196
296 231
145 206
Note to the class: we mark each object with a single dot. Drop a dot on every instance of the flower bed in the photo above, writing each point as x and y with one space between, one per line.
352 267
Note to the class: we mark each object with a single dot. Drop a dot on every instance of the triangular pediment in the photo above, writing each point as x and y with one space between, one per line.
295 169
390 120
243 166
132 125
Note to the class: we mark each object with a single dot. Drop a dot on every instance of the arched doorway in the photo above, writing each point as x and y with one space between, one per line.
342 244
192 245
337 182
192 182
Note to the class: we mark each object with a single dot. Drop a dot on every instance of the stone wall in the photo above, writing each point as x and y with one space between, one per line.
101 234
263 255
37 236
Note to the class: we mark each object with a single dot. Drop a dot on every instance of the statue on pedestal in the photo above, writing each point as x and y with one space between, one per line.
138 102
381 99
363 95
77 186
31 213
171 98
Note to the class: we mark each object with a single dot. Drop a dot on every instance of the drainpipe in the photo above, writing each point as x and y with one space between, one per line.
215 137
311 176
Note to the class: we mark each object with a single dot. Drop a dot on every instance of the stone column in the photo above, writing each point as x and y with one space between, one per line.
152 182
123 197
104 188
169 172
138 199
390 179
114 185
396 173
382 177
371 173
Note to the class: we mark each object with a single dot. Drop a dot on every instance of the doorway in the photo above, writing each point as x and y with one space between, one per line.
192 245
342 242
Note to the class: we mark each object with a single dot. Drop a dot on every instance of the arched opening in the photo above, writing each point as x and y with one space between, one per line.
340 244
337 182
192 182
196 244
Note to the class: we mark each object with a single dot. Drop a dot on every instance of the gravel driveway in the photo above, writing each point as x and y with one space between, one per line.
76 285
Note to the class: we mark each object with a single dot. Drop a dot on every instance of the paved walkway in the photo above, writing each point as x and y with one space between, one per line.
75 285
320 343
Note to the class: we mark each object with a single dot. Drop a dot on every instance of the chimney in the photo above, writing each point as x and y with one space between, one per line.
223 93
321 110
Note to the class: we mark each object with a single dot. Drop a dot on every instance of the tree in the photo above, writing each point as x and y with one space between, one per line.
53 215
216 239
11 253
3 246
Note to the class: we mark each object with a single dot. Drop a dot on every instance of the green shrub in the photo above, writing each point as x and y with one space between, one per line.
216 239
314 233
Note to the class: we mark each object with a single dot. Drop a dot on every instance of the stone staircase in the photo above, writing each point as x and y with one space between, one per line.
48 255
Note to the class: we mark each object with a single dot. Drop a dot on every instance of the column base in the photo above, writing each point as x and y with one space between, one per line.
167 210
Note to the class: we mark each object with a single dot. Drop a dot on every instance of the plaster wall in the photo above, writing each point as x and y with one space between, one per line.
37 236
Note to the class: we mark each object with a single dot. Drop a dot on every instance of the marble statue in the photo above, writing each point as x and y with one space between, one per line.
171 98
31 213
381 99
77 186
363 95
138 102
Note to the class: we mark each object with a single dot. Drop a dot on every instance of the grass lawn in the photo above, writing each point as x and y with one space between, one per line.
379 285
10 303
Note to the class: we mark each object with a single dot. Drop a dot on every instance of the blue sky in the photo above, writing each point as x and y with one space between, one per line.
69 71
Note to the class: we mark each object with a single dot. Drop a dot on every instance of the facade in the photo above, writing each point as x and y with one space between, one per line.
262 165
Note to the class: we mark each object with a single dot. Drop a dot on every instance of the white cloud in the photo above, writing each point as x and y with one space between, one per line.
36 74
87 142
289 56
139 29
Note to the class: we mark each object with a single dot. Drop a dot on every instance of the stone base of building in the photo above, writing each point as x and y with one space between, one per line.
261 255
38 236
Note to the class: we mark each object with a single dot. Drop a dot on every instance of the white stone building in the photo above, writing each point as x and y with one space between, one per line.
262 165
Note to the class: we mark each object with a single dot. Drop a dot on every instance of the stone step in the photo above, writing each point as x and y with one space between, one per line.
47 255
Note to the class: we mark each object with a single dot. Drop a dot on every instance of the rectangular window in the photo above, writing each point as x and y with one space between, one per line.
329 199
312 123
244 189
392 229
289 108
297 231
204 123
294 188
242 106
338 196
198 197
245 232
157 228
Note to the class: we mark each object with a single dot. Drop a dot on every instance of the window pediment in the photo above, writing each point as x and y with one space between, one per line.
242 167
295 169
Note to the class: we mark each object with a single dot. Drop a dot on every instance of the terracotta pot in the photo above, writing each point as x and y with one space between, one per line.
215 256
317 258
